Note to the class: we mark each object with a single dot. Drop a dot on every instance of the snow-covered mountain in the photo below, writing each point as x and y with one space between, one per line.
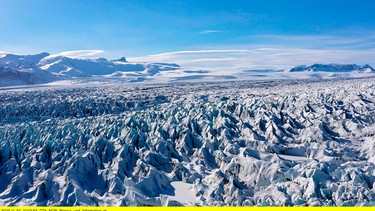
88 67
285 142
334 68
15 70
43 68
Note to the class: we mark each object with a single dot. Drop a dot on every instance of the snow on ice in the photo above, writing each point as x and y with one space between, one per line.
282 142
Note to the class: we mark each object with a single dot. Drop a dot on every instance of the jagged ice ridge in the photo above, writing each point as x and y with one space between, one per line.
287 142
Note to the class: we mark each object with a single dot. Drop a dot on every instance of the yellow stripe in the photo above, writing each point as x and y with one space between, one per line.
69 208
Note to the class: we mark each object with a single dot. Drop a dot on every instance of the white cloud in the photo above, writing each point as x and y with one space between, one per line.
353 41
229 61
185 55
209 31
81 53
77 53
275 52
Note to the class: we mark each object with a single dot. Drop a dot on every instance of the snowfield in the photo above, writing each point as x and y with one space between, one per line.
281 142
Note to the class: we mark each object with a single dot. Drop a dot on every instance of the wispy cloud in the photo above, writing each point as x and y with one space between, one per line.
78 53
274 52
237 60
209 31
190 57
81 53
355 41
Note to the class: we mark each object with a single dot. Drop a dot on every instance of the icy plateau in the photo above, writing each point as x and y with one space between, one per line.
282 142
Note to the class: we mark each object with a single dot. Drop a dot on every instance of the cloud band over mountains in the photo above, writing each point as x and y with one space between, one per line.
260 58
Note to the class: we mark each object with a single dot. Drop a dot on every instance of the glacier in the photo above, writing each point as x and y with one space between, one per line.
238 143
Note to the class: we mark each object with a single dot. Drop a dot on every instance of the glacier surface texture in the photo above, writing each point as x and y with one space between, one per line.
284 142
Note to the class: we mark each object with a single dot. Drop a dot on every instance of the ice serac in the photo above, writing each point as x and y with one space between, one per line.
237 143
333 68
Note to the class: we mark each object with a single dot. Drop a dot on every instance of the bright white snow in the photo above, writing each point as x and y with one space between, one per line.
184 193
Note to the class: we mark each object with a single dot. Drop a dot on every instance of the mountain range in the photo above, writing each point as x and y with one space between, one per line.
45 68
334 68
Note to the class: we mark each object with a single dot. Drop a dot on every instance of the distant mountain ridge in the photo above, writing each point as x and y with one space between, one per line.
19 70
45 68
333 68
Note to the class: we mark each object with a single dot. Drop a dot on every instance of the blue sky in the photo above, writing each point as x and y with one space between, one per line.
197 33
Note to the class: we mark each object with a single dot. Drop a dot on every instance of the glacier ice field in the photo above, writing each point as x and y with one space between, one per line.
239 143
